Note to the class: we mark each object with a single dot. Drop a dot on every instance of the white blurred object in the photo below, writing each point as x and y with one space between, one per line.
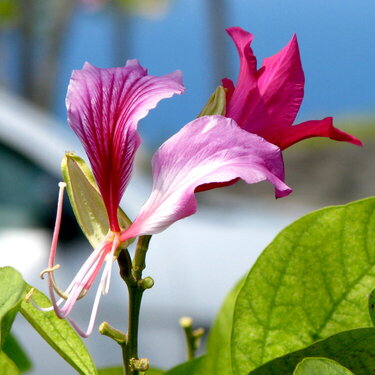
24 249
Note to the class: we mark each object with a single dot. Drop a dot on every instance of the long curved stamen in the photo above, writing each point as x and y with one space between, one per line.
84 278
102 288
81 284
51 260
99 293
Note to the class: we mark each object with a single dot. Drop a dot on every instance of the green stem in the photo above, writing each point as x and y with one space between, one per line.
130 350
193 337
139 262
136 286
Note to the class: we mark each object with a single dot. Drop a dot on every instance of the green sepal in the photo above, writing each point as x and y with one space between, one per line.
87 202
216 104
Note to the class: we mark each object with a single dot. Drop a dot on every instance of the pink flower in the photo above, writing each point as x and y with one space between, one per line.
266 100
104 107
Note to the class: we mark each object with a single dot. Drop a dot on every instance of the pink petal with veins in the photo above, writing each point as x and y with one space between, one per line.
210 149
104 107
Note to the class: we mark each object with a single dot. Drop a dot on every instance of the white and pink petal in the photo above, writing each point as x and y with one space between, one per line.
209 150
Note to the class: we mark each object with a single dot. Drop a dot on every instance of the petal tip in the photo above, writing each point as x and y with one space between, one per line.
283 193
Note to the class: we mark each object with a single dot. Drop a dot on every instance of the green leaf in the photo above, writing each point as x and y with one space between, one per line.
58 333
16 353
371 306
120 371
312 281
354 349
216 104
86 200
320 366
218 354
186 368
7 367
154 371
12 292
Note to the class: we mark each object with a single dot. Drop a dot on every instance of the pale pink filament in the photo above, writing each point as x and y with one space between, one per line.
85 277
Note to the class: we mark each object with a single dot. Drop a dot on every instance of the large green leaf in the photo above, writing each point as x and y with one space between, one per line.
7 367
12 291
59 334
312 281
15 352
354 349
320 366
86 200
218 354
186 368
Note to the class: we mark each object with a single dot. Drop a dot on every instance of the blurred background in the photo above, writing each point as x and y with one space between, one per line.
196 261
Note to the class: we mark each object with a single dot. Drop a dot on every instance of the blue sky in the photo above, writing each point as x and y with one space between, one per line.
336 37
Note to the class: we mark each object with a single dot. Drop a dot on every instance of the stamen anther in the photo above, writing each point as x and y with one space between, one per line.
29 295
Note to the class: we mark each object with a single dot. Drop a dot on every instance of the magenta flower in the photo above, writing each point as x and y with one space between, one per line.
104 107
266 100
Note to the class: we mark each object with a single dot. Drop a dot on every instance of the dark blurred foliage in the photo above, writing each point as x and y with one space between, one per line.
28 196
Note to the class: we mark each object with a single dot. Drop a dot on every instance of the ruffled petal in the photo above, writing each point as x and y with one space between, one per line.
104 107
281 84
210 149
290 135
246 96
266 102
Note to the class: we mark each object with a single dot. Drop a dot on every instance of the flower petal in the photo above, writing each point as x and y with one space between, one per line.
281 84
104 107
289 135
246 96
210 149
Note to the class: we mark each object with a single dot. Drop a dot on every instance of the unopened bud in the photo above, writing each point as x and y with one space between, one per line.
146 283
186 322
141 364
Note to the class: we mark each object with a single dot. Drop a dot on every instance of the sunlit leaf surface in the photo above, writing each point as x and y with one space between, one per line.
320 366
354 349
311 282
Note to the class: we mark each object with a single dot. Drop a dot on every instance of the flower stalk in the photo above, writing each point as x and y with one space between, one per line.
193 337
131 273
